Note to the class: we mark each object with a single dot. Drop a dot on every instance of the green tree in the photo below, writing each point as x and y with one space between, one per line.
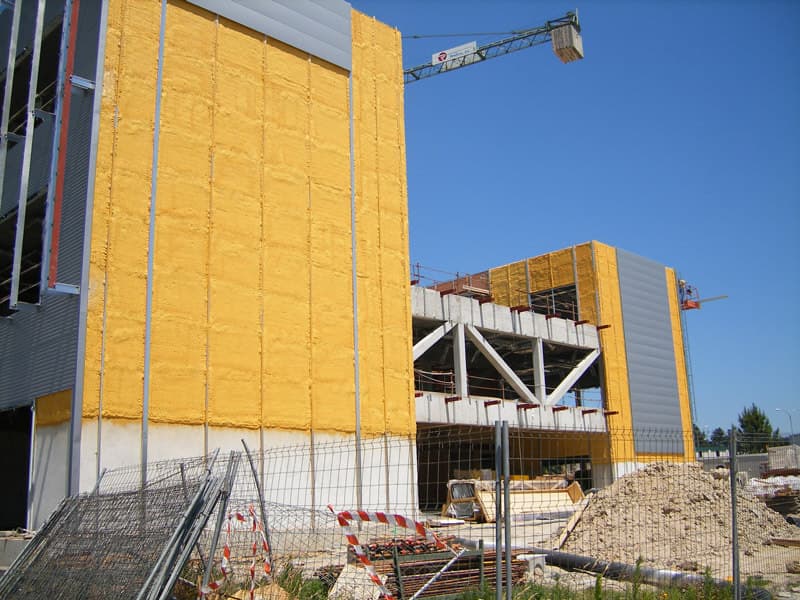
700 439
719 439
754 429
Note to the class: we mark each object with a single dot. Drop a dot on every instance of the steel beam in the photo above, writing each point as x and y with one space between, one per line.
22 200
426 343
12 61
572 378
498 363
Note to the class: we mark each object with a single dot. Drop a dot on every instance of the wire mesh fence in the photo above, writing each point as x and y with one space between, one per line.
431 515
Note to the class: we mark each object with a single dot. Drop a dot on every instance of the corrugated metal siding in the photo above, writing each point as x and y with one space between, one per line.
75 182
650 352
38 346
37 350
319 27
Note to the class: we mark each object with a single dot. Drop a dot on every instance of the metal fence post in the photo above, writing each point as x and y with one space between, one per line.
737 593
507 507
498 512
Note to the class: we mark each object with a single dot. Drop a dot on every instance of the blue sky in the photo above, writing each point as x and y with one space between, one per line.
677 138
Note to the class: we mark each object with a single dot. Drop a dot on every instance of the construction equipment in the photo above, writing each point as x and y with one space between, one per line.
563 32
690 297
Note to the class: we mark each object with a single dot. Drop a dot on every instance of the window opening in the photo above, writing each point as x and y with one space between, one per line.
46 84
559 301
32 248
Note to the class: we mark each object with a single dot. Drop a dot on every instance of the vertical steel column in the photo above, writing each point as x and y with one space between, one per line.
498 511
31 470
737 592
58 167
354 277
507 506
76 416
22 201
12 61
460 360
151 246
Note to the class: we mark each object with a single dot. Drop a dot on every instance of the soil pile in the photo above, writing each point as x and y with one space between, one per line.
674 516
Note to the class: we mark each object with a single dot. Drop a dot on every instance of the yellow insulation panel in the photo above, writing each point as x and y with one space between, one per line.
615 369
381 230
551 270
180 269
587 287
234 344
118 261
680 364
53 409
252 321
332 368
509 284
286 255
500 285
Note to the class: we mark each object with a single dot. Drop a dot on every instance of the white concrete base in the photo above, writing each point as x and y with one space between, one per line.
174 441
49 484
296 468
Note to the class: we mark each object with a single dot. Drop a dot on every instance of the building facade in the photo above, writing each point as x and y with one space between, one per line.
204 234
634 302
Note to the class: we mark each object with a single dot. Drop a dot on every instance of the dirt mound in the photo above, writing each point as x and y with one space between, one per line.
673 516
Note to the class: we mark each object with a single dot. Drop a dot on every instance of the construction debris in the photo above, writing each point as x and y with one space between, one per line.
474 499
129 538
653 512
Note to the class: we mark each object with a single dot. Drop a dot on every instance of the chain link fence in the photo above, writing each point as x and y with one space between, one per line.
452 511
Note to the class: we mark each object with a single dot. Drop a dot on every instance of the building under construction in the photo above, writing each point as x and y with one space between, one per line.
203 236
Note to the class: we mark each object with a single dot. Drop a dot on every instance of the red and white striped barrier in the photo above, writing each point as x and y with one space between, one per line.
345 517
259 539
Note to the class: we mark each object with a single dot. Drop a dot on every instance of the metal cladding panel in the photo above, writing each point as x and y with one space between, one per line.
37 348
88 27
652 374
319 27
70 251
38 345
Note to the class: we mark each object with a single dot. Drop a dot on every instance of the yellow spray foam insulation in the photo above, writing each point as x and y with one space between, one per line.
118 267
53 409
180 270
587 288
381 230
680 364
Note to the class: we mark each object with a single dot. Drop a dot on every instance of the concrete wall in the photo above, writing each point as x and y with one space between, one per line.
50 452
231 257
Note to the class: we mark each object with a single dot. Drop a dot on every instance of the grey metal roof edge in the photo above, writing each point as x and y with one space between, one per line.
319 27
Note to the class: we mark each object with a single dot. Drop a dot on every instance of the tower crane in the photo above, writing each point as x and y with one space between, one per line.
564 32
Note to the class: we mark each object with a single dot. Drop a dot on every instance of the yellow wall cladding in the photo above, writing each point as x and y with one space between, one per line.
53 409
551 270
680 364
509 284
587 285
615 369
387 398
252 321
119 237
